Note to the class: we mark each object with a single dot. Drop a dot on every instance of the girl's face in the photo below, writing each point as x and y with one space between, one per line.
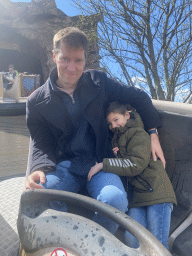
117 120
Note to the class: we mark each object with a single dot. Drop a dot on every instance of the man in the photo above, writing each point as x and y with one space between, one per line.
69 133
8 78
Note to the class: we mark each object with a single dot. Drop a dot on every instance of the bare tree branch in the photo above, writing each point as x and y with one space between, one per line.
151 39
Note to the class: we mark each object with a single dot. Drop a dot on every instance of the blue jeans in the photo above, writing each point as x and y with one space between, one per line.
105 187
156 218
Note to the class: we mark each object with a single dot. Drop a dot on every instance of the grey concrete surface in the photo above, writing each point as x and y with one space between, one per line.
11 190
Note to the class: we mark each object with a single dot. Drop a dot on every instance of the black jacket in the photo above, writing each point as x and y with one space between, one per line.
50 125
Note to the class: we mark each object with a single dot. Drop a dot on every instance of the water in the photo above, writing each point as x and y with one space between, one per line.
14 146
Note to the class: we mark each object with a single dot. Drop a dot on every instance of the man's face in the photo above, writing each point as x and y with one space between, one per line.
70 64
11 70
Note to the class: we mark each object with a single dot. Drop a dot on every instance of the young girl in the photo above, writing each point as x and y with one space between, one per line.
151 195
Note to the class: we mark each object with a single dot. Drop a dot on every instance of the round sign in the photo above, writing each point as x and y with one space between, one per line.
59 252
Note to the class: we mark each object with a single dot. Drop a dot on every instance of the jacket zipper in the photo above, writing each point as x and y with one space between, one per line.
73 101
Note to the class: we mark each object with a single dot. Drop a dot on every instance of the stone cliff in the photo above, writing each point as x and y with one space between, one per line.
28 28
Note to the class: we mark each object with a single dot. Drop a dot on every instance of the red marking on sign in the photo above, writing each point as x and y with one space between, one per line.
59 252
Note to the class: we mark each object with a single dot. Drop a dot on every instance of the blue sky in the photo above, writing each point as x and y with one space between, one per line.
67 7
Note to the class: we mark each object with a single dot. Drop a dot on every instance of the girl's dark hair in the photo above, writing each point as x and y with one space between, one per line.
116 107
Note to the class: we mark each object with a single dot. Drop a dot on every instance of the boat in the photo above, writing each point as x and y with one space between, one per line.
13 100
45 232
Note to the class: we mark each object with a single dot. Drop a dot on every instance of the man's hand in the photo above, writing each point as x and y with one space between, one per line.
33 179
115 150
156 149
95 169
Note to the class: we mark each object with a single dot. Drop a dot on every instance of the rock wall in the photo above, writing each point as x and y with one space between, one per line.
30 27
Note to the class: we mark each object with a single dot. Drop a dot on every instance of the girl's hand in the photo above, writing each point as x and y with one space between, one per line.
115 150
95 169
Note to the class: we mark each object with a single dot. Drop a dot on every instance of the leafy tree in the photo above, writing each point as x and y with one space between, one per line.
151 40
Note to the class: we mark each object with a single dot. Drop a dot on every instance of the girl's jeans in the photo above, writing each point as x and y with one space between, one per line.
105 187
156 218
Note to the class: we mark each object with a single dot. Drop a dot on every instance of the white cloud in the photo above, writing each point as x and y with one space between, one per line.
138 80
182 94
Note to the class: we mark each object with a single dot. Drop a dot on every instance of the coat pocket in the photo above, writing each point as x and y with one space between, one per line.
148 180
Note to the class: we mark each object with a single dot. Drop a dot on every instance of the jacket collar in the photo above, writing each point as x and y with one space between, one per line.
88 89
52 107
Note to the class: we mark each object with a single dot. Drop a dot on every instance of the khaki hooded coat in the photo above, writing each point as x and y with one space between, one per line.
147 179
